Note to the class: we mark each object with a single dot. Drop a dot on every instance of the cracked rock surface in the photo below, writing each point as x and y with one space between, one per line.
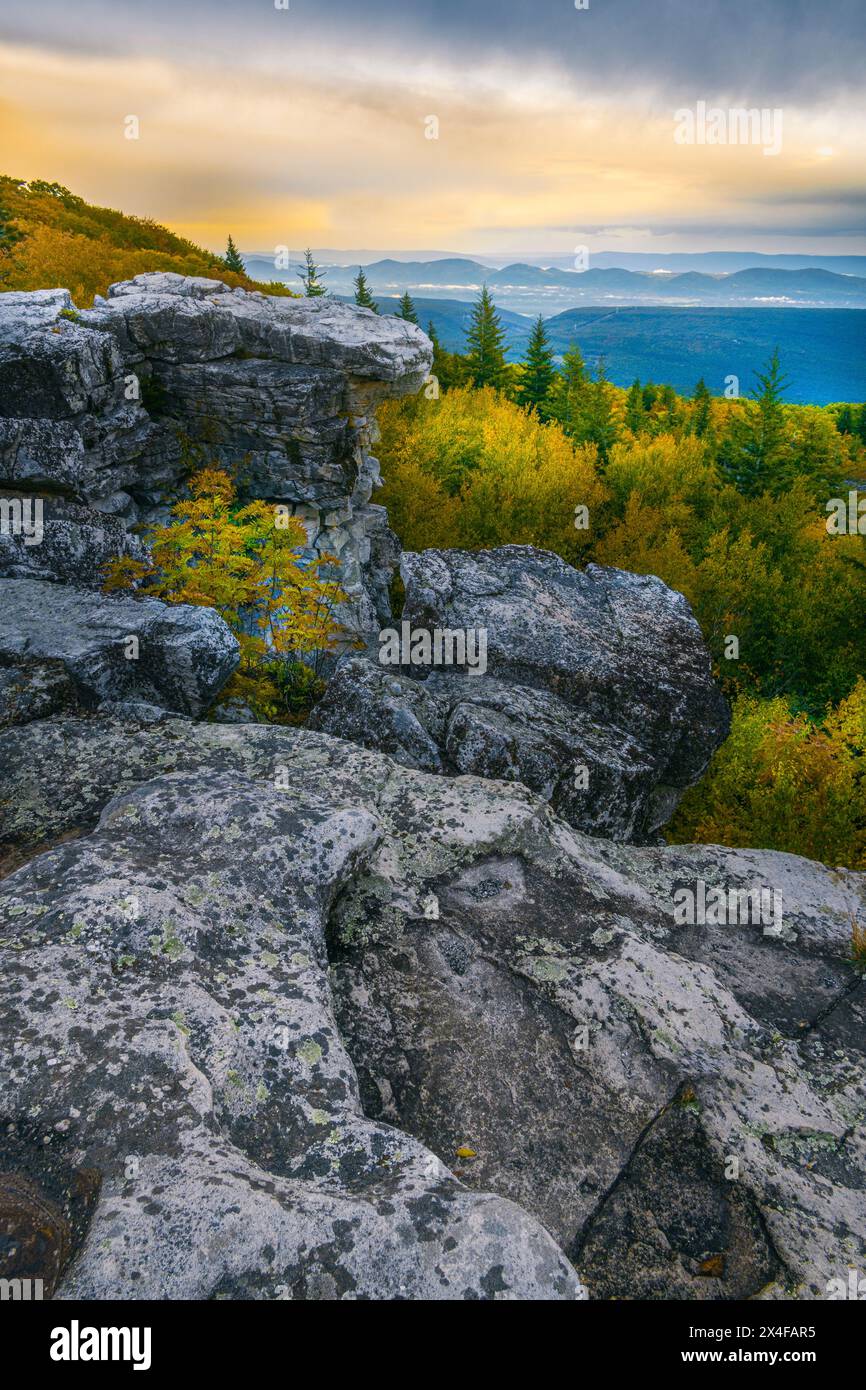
597 694
315 1024
101 407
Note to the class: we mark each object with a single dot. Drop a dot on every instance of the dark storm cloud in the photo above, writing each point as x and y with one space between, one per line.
765 51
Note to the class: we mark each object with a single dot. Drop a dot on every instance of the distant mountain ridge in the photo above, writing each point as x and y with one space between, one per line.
536 289
823 351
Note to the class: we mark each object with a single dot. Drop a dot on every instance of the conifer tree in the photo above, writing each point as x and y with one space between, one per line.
363 297
596 423
634 411
311 277
407 308
233 259
538 370
751 455
566 394
701 416
485 344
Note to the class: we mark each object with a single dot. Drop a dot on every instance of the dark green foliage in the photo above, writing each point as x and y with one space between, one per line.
634 411
701 417
538 370
407 308
750 452
233 259
363 297
311 277
485 344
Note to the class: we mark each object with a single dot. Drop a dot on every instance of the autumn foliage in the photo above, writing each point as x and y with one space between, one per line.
55 238
246 562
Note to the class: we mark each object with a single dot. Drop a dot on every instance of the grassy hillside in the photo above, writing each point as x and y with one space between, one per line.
50 237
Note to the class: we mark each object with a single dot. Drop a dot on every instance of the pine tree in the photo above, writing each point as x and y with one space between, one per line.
233 259
845 420
485 344
407 309
363 297
538 370
701 415
860 427
752 453
311 277
596 423
567 389
634 411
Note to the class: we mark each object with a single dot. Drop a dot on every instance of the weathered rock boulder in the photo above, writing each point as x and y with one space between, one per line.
597 692
61 540
118 648
109 406
679 1105
169 1033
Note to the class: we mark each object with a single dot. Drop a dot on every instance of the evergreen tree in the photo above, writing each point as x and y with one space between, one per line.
233 259
701 415
567 389
752 454
448 367
860 427
596 423
538 370
634 411
407 308
845 420
363 297
485 343
311 277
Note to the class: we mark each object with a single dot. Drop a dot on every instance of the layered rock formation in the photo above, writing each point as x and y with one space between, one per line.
298 1011
596 690
109 407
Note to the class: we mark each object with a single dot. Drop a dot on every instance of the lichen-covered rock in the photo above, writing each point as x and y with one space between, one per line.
597 692
34 690
168 1026
71 545
681 1106
119 648
108 405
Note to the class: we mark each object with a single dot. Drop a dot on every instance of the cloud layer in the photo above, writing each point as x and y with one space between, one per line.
554 124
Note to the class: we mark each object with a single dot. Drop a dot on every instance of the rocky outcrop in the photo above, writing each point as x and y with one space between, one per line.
109 407
297 1011
188 1060
120 648
595 690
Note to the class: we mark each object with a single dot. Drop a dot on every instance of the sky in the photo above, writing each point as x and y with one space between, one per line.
554 126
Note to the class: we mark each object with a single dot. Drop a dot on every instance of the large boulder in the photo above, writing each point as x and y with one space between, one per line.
595 690
172 1051
111 406
118 648
679 1103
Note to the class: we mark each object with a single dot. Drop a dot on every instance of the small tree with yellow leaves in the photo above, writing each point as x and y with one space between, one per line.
244 561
